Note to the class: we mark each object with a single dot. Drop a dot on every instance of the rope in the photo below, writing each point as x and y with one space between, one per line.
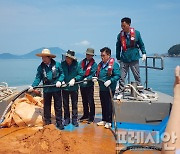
5 91
143 96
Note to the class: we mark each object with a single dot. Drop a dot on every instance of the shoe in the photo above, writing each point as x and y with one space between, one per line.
107 125
60 126
75 123
47 123
101 123
90 121
83 118
66 122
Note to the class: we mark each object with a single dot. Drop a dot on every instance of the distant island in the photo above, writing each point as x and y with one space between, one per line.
32 55
174 51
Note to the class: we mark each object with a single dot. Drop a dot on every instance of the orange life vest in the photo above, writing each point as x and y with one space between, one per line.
88 69
123 39
110 67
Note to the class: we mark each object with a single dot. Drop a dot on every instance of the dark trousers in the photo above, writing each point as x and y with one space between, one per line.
87 94
74 101
106 105
57 106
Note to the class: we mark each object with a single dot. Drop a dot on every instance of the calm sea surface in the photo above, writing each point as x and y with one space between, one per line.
18 72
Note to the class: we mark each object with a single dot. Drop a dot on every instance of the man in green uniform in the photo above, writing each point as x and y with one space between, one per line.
72 73
50 72
108 71
128 43
89 66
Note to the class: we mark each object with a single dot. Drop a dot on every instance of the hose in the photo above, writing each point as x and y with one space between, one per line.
25 90
142 147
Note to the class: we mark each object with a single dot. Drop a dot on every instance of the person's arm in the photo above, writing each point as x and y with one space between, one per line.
140 43
116 73
39 76
80 74
61 77
173 125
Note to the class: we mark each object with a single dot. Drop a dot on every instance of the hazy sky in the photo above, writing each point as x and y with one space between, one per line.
26 25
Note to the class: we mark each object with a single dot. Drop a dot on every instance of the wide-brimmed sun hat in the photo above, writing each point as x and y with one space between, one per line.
90 51
70 54
45 52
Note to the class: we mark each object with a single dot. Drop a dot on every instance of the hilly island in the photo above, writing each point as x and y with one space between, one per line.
174 51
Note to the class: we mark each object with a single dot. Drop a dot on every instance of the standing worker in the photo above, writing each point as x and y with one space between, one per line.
72 73
50 72
108 71
128 43
89 68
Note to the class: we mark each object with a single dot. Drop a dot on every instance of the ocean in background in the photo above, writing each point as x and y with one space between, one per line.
19 72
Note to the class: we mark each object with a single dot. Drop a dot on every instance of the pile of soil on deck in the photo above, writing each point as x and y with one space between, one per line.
51 140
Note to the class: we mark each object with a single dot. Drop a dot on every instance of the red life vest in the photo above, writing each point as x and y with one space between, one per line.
123 39
88 69
110 67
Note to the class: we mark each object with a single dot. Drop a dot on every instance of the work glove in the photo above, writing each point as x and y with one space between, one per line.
71 82
30 89
58 84
94 79
143 57
64 84
85 81
107 83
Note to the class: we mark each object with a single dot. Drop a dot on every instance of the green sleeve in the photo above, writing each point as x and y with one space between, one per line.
141 44
116 73
118 47
79 75
61 77
38 78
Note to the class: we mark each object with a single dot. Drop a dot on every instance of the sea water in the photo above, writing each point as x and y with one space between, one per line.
18 72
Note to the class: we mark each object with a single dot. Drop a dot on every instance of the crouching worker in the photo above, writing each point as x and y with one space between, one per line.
50 72
108 71
72 73
89 67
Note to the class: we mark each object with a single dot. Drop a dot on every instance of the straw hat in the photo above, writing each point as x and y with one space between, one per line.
46 52
90 51
70 54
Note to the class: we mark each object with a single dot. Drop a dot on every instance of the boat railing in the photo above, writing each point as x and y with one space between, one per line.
151 62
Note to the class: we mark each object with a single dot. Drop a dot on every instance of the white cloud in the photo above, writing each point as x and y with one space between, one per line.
83 43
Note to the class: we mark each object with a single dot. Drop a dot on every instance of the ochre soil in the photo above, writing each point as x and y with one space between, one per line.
87 139
51 140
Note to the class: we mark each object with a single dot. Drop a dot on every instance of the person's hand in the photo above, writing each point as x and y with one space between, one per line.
58 84
177 84
64 84
94 79
177 75
30 89
143 57
107 83
71 82
85 81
